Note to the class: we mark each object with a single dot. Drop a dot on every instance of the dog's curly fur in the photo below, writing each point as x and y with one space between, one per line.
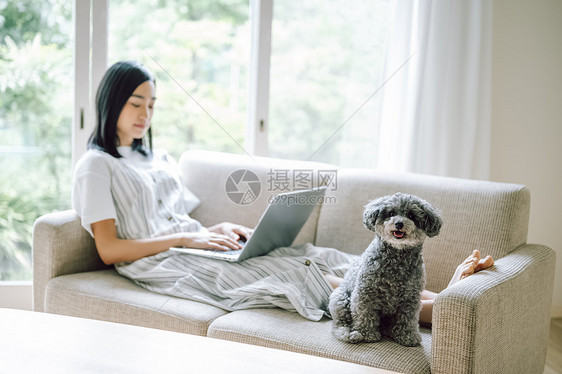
381 295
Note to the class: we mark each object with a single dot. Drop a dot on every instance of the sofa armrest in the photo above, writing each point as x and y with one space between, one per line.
60 246
496 321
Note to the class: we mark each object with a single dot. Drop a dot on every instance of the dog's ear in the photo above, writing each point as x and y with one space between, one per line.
371 213
433 222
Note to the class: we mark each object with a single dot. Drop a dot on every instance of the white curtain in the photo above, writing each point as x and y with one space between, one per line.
435 117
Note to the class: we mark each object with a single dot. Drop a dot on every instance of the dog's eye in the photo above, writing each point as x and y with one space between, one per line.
412 217
390 213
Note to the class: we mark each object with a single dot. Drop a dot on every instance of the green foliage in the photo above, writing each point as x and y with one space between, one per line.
21 21
198 51
35 119
234 12
20 205
327 60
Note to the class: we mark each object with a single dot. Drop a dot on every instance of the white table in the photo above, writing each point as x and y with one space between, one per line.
32 342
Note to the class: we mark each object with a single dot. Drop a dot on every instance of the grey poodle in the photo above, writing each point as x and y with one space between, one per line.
381 294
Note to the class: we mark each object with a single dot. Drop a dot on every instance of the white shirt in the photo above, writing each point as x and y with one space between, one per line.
144 195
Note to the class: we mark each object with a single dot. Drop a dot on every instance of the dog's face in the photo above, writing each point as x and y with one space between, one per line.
402 220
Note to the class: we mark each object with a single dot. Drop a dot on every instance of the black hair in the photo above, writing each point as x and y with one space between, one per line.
116 87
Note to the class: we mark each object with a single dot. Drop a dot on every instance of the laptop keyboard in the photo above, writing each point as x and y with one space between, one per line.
231 253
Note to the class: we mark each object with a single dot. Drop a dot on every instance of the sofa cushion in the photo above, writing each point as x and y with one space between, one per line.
106 295
491 217
279 329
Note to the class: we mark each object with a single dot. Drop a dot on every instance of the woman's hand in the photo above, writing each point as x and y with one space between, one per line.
232 230
210 240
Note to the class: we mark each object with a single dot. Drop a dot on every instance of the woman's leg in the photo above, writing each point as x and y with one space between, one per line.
473 264
334 281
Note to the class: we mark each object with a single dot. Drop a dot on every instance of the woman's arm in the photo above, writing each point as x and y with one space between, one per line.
112 249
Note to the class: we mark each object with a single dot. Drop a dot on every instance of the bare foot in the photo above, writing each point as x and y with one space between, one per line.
473 264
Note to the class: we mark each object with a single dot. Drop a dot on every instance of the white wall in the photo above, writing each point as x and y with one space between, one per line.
527 114
16 295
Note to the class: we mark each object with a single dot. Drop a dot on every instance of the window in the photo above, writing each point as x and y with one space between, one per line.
198 51
35 123
308 72
326 62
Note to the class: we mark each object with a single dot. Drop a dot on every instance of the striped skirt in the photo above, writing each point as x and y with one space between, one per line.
288 278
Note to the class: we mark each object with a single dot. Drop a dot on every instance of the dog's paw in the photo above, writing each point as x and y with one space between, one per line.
364 337
344 333
356 337
341 332
409 340
371 336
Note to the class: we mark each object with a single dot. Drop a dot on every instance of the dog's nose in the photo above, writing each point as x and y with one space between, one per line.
399 225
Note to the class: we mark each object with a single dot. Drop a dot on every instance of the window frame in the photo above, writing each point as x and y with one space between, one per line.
91 60
90 37
261 18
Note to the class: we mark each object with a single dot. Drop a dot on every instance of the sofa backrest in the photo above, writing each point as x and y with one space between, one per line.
213 177
491 217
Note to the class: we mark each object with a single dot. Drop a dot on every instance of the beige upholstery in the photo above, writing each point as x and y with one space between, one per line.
108 296
276 328
496 321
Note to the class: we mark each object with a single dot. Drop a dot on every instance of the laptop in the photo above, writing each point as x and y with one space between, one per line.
278 226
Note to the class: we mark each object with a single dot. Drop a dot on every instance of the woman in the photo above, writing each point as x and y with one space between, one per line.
131 200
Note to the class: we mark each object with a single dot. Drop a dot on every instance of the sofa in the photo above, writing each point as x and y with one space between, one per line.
496 321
